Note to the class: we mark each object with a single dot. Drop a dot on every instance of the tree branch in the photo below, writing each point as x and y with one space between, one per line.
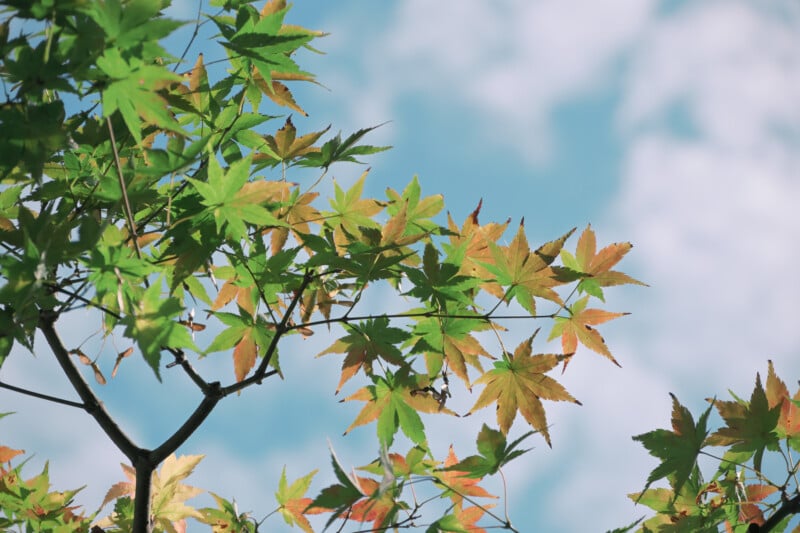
91 404
180 359
789 507
42 396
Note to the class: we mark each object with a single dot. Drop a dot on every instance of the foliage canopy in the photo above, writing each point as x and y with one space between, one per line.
143 186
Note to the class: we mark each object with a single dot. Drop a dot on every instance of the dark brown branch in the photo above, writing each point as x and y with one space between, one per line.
141 502
180 359
236 387
283 327
91 404
789 507
42 396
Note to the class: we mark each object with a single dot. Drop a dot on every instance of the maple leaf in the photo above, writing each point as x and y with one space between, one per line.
677 449
450 339
394 402
519 383
285 145
680 510
440 283
168 494
750 426
597 265
469 246
750 512
6 454
468 516
525 273
458 483
418 211
494 453
339 497
789 420
226 517
337 149
578 327
351 213
379 507
151 324
297 212
366 342
293 506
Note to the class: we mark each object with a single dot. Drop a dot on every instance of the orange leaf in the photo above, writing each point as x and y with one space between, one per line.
6 453
518 384
578 327
459 485
244 356
598 265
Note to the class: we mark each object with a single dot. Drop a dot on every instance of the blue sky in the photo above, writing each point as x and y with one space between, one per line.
673 125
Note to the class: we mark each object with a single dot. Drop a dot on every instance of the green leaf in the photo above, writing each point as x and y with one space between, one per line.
152 325
364 343
336 150
750 426
338 497
677 449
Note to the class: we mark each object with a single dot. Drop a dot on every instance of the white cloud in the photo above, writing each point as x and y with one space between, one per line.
715 214
510 62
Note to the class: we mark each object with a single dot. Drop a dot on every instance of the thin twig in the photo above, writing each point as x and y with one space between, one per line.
123 187
42 396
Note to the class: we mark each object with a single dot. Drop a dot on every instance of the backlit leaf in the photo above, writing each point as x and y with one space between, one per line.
518 384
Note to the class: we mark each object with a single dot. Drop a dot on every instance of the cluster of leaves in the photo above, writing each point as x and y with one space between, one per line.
163 187
758 437
30 503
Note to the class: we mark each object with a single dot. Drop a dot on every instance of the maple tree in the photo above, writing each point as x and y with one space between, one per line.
140 186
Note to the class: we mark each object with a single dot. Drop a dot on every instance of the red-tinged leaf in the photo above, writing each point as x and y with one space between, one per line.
522 273
518 384
244 356
749 512
364 344
6 453
778 395
468 516
750 426
578 327
118 490
458 484
226 294
470 244
373 408
598 265
378 507
293 504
